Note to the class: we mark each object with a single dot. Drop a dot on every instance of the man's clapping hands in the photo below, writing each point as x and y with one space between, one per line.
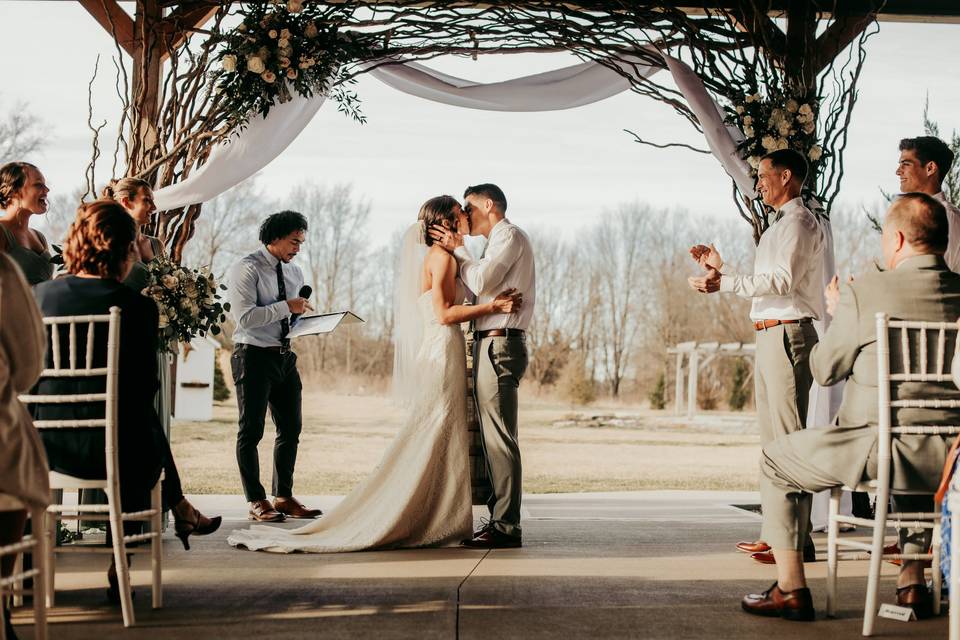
709 258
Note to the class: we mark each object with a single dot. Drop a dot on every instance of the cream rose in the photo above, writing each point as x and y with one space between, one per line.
229 63
283 43
311 30
740 109
782 143
268 76
284 63
273 34
294 6
768 143
754 161
292 74
815 153
164 323
748 131
792 105
255 65
169 281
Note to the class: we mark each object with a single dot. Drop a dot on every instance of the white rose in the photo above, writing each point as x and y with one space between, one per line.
740 109
294 6
754 161
255 65
284 63
749 99
169 281
242 28
283 43
292 74
808 128
768 143
815 153
171 313
782 143
747 121
783 129
792 105
164 323
748 131
806 110
229 63
268 76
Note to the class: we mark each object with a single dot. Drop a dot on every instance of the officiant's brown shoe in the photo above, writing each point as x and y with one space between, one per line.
794 605
753 547
263 511
292 508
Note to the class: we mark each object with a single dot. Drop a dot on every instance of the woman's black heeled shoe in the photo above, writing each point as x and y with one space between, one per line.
194 524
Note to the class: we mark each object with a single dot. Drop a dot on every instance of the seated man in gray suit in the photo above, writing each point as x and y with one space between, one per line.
916 285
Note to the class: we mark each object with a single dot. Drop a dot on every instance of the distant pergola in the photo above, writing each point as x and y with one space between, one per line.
787 31
698 355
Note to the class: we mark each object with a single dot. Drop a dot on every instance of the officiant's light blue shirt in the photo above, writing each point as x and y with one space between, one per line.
254 296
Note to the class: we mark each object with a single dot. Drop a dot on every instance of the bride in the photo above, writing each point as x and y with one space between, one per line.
419 494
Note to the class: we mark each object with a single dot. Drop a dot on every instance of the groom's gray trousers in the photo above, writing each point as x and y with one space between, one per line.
499 364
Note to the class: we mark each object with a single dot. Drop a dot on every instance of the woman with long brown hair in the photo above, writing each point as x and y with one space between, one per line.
136 197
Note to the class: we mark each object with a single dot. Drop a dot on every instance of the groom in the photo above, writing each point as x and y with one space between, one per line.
500 351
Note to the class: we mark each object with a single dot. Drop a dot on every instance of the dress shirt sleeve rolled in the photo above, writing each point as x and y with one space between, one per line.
831 360
243 300
794 246
484 275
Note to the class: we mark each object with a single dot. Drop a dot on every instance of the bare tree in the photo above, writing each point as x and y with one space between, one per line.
60 214
21 133
229 230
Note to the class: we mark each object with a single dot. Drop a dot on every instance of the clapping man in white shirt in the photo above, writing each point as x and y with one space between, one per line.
500 350
924 163
786 289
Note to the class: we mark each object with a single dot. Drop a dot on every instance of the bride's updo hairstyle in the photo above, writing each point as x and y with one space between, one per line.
99 240
434 211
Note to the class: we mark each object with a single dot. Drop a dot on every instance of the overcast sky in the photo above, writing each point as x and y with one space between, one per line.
558 169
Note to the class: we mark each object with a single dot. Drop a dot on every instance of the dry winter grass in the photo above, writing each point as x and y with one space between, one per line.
605 447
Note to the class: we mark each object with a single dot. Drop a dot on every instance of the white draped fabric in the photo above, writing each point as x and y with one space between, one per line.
265 138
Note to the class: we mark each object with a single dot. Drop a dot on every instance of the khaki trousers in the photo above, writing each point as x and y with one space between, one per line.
794 467
499 364
782 381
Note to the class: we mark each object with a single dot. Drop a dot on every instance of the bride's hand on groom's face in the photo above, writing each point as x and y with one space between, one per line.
446 238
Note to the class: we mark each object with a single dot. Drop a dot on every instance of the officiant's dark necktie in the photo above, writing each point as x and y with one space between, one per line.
282 294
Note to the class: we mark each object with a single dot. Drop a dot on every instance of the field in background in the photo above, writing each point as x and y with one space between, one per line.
605 447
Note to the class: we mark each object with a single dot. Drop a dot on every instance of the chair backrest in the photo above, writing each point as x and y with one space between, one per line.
72 343
918 356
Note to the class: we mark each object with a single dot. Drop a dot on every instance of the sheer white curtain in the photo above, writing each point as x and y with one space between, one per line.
265 138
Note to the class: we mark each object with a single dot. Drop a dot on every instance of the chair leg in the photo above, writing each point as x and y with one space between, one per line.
156 547
3 617
18 584
39 532
937 576
876 564
120 558
52 519
833 532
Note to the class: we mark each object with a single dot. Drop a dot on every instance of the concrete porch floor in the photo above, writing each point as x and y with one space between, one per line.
657 564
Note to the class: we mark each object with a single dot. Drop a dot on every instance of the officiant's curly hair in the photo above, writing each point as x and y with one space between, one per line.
100 239
434 211
280 225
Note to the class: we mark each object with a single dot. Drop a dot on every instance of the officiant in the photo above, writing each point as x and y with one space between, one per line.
266 296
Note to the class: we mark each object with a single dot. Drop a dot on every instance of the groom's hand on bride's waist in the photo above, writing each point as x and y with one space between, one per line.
446 238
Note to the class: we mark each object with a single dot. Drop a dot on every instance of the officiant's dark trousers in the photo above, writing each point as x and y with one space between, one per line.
267 378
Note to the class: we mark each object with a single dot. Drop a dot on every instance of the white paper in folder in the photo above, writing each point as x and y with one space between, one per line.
322 323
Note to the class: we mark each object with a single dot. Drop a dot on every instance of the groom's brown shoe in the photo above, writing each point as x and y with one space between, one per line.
794 605
291 507
263 511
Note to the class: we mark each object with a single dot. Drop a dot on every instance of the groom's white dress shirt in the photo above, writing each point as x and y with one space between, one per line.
787 280
507 263
952 256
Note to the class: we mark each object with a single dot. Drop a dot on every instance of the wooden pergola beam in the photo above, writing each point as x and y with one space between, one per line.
114 19
177 26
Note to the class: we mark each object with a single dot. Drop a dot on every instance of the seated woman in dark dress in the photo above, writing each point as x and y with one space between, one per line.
98 254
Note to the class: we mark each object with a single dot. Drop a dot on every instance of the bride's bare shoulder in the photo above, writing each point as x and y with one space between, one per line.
439 257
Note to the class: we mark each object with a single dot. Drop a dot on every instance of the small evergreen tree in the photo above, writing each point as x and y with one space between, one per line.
658 397
221 391
739 390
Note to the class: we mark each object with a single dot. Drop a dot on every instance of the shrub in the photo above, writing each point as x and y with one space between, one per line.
575 384
658 397
739 389
221 391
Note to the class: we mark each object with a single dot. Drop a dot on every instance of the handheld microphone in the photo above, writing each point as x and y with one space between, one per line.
305 292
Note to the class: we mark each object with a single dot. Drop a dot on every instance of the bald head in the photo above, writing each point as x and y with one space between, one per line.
916 224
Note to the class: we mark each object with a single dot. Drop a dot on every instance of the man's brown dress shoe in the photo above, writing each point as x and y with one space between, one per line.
789 605
918 598
493 538
753 547
809 555
263 511
291 507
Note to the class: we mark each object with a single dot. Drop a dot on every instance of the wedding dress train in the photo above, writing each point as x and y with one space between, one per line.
419 495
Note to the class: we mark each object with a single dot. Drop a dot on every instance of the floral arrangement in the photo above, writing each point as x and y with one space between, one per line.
188 301
778 122
281 47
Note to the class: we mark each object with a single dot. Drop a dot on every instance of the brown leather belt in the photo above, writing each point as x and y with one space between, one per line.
498 333
280 350
760 325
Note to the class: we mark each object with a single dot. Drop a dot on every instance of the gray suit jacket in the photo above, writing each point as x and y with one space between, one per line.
920 288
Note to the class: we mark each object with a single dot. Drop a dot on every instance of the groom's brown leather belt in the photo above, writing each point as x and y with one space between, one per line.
498 333
760 325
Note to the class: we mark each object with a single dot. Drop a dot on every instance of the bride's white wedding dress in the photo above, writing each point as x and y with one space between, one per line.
419 495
